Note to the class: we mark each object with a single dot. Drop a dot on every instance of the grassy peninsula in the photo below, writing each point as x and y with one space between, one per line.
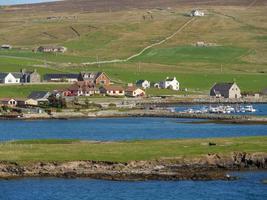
124 151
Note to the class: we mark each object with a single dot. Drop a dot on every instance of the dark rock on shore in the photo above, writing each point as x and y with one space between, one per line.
210 167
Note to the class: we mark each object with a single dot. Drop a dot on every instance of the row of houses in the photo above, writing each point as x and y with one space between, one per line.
20 77
37 98
98 78
86 88
34 77
168 83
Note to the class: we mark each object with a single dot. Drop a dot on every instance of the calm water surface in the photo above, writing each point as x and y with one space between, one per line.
249 187
122 129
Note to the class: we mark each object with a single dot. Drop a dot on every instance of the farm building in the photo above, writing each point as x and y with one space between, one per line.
197 13
112 90
226 90
6 46
49 49
97 78
143 84
61 77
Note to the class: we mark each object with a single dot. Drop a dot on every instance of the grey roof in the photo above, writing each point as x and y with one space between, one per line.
140 81
264 91
91 75
60 76
222 87
17 74
3 75
38 95
169 79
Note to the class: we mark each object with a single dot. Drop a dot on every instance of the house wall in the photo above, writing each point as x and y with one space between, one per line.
234 92
102 80
11 102
136 93
174 85
31 102
34 78
146 84
9 79
115 93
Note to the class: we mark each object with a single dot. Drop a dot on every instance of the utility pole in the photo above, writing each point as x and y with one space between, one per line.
97 60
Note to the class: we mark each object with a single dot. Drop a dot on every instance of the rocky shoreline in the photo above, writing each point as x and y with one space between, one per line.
209 167
220 118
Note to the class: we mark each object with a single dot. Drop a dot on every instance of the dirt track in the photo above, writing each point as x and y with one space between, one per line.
115 5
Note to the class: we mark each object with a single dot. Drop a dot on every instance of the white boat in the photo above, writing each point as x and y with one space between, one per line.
249 108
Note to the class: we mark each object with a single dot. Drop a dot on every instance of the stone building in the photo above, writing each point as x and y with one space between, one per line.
226 90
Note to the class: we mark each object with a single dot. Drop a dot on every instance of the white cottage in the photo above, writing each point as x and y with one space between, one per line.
132 91
170 83
9 78
143 84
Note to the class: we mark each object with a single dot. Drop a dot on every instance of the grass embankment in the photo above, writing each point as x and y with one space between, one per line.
69 150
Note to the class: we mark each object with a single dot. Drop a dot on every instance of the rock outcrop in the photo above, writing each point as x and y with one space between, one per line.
209 167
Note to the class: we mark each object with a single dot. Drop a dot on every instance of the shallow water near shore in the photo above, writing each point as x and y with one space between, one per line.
112 129
249 186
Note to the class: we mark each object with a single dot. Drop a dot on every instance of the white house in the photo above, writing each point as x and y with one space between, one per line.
112 90
9 78
8 102
170 83
6 46
143 84
197 13
134 92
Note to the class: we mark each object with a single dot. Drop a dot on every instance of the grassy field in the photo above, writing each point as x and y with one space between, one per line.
23 91
238 33
66 150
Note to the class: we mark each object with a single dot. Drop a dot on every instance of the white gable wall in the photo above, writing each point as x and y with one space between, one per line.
10 79
174 84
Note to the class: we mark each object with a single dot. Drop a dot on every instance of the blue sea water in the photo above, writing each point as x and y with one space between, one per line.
248 187
122 129
13 2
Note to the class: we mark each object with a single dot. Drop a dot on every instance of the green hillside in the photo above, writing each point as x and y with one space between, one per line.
235 37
